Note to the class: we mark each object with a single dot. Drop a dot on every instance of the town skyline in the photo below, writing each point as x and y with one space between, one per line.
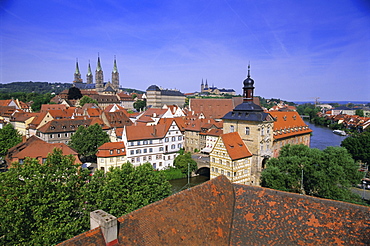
297 51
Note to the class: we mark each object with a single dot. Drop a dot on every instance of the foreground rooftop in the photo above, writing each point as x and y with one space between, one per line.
219 212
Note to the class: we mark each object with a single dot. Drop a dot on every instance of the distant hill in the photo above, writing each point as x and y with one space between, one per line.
44 87
36 87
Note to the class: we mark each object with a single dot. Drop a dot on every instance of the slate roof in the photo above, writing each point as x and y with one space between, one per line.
219 212
248 111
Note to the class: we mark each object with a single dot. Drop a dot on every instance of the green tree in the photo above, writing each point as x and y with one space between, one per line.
358 146
359 112
329 173
9 137
87 140
86 99
139 105
124 189
185 163
40 203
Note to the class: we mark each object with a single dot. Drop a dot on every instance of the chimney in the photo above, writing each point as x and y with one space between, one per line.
107 224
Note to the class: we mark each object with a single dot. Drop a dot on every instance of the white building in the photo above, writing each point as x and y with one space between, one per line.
157 144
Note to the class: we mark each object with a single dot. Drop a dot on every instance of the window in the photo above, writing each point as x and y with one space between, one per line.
118 151
51 135
179 138
138 143
101 160
111 152
228 174
138 159
132 143
160 148
66 134
216 170
150 141
173 146
160 164
179 146
132 160
268 130
150 158
222 171
132 152
234 174
122 158
144 158
150 150
145 142
58 135
111 159
213 160
145 150
138 151
166 139
231 128
247 131
220 162
262 131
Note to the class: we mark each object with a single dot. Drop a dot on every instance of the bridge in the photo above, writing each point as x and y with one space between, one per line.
202 162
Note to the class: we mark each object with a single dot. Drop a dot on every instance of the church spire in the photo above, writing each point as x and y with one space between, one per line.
98 68
115 70
77 74
89 75
248 89
115 75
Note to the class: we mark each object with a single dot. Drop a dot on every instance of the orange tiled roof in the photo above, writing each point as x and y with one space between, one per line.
235 146
224 213
37 148
141 132
111 149
288 124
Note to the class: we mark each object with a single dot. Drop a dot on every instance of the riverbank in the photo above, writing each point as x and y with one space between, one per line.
323 137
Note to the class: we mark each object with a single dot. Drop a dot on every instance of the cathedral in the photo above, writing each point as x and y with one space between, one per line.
110 87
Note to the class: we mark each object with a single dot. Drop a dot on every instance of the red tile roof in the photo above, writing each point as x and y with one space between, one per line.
111 149
235 146
37 148
219 212
288 124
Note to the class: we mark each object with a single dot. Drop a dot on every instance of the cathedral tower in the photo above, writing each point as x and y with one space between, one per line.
99 78
115 76
202 87
89 76
77 74
248 89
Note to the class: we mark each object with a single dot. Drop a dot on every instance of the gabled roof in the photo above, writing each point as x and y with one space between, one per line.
117 119
37 148
211 108
214 132
143 132
111 149
219 212
235 146
22 116
47 107
288 124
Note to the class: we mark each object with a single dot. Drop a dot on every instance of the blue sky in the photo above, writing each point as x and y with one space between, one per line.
298 50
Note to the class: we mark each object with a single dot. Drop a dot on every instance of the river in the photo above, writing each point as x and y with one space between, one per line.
321 138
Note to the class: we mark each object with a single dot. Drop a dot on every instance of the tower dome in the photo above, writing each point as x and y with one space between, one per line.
248 82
